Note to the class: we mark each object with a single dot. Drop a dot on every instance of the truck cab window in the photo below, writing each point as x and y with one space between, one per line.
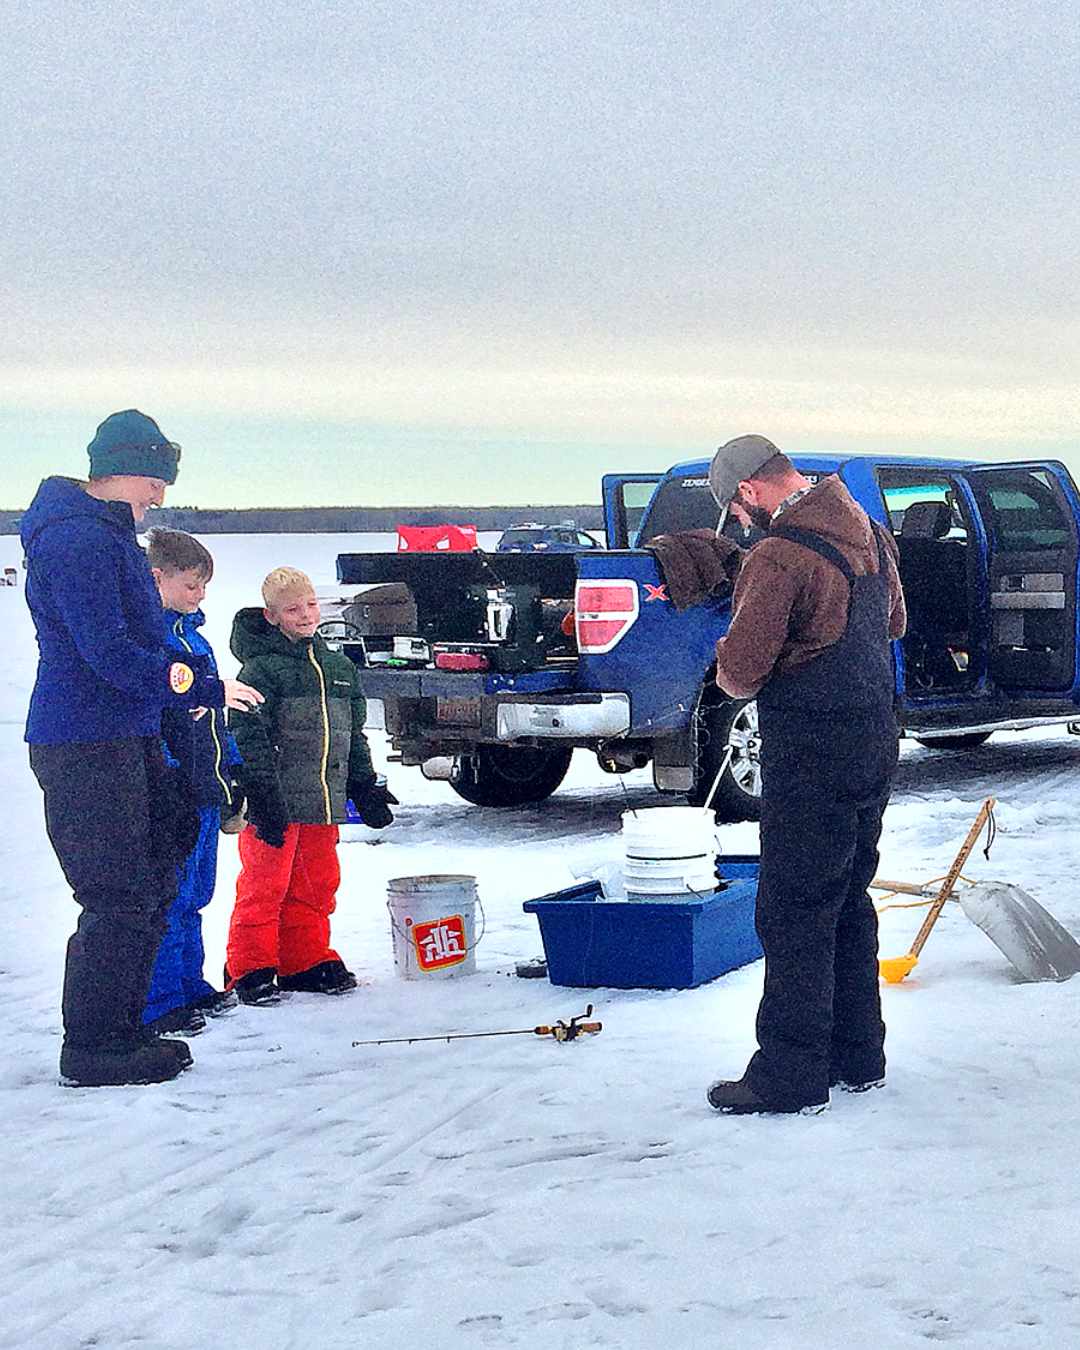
1026 515
636 499
932 538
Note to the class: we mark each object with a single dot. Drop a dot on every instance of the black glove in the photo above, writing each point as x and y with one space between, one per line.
232 811
373 800
268 820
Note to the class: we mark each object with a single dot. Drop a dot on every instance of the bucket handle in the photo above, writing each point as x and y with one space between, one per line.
703 895
402 933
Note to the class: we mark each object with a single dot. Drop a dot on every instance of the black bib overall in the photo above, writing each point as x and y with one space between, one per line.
829 750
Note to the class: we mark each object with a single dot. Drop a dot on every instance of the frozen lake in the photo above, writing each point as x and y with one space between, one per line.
293 1192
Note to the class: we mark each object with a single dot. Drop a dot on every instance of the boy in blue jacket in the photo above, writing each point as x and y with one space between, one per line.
205 751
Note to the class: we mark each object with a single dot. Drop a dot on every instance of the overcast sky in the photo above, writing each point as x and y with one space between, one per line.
437 250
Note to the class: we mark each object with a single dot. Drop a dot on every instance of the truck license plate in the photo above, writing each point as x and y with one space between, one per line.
462 712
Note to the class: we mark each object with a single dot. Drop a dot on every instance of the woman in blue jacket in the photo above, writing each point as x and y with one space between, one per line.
119 820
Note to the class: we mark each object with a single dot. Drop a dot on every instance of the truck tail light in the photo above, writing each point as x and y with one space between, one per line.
605 611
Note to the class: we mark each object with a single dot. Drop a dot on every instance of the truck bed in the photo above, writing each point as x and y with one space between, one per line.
509 611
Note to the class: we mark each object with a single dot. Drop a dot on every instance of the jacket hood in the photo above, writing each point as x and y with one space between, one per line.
63 499
252 636
830 511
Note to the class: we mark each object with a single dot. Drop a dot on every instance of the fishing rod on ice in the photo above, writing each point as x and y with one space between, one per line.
559 1031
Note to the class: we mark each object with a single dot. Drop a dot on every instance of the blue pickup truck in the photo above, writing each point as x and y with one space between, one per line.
493 668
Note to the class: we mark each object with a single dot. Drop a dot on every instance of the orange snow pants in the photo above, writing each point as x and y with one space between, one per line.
284 899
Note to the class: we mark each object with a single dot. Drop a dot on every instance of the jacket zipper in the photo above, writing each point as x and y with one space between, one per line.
326 736
219 753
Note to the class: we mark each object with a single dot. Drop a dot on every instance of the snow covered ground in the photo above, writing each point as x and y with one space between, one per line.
294 1193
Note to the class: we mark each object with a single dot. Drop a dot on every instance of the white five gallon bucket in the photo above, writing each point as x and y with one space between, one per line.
670 853
433 924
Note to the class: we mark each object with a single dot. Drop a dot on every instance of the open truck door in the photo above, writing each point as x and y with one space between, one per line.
1029 512
626 495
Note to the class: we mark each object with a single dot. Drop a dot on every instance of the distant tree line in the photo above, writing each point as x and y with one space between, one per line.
351 519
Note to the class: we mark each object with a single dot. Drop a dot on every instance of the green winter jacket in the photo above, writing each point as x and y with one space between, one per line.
307 741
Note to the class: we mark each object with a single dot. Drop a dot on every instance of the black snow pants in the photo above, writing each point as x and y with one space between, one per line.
117 826
829 750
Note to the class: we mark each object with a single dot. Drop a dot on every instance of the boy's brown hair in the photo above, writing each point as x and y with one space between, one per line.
175 551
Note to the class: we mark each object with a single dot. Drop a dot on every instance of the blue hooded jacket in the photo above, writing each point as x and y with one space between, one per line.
104 670
205 749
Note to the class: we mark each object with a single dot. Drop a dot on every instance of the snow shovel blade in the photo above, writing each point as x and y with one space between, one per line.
894 969
1025 933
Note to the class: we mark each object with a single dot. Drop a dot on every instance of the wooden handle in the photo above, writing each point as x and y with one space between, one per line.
953 875
903 888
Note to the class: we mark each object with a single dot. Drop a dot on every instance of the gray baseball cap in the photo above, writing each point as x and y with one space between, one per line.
738 460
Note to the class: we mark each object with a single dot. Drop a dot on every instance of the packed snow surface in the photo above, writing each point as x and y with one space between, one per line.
294 1193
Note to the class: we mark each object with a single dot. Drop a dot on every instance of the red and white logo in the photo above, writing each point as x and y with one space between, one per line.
440 942
181 677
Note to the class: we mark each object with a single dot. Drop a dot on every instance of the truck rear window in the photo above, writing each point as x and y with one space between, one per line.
679 504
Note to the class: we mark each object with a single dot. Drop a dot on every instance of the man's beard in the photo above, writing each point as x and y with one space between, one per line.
760 519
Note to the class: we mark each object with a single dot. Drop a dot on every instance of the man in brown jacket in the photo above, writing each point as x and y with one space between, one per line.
816 604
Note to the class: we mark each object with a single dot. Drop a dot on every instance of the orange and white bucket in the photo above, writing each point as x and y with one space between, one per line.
433 925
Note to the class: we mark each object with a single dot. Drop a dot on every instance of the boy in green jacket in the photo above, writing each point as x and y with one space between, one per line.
304 755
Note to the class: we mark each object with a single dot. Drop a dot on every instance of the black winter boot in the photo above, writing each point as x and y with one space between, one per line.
328 977
120 1062
179 1049
856 1084
258 987
217 1003
739 1099
187 1021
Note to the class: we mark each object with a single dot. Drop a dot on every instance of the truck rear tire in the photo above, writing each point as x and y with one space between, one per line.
967 741
499 775
720 725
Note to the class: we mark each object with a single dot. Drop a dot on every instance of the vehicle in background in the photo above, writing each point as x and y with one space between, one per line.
532 538
493 668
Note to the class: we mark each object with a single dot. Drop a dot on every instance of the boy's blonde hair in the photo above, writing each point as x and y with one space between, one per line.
283 581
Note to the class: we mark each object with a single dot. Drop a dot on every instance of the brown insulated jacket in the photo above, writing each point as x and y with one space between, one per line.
789 603
695 564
